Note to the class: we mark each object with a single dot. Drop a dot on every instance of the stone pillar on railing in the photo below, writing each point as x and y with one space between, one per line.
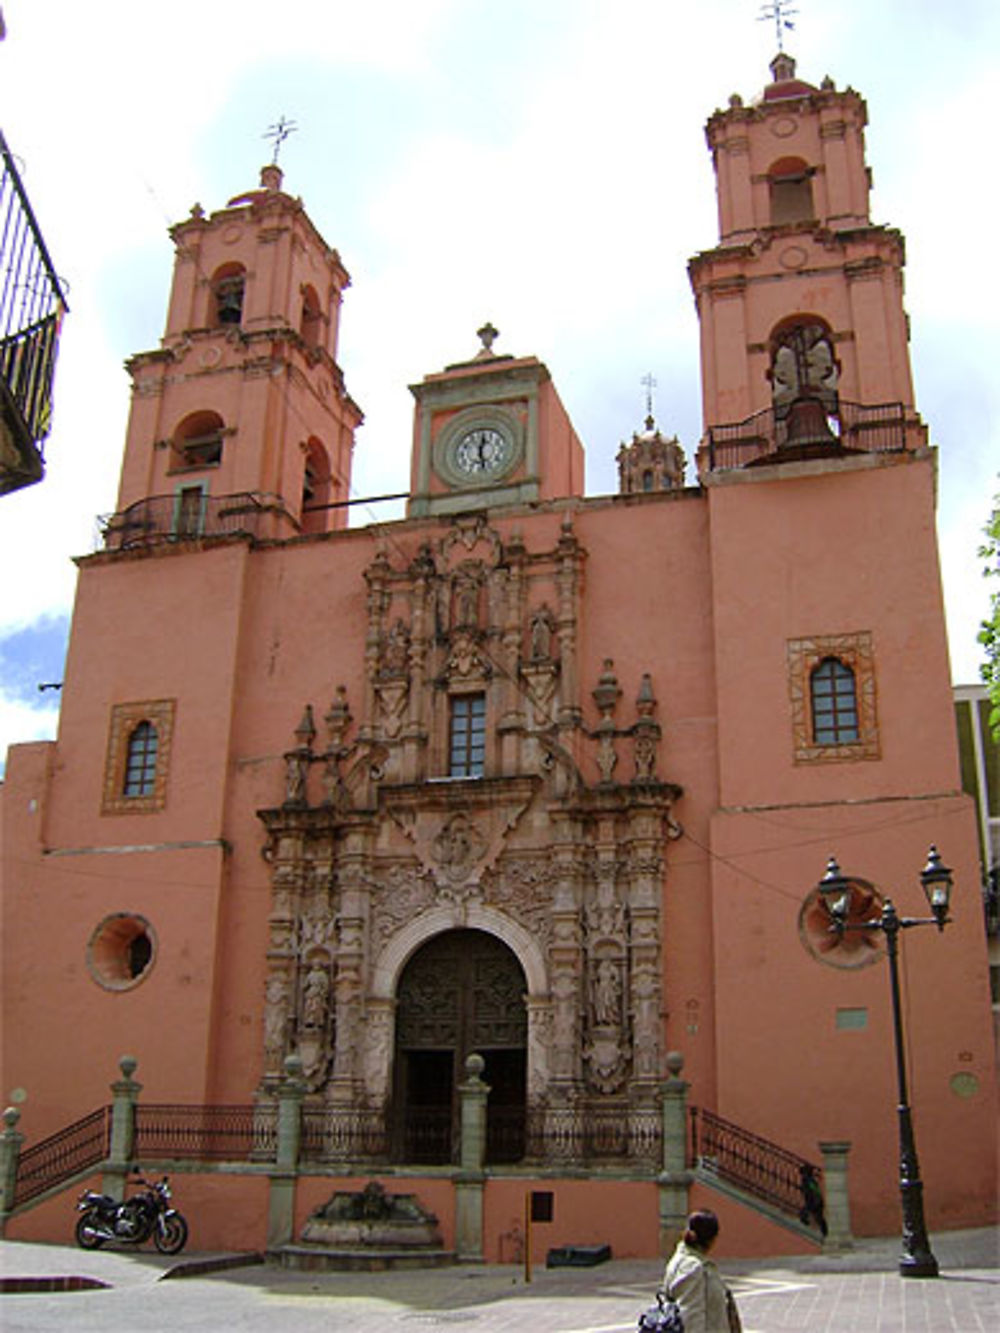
11 1139
675 1178
470 1178
284 1174
125 1095
836 1196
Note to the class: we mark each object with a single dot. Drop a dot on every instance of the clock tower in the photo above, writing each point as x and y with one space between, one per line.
491 431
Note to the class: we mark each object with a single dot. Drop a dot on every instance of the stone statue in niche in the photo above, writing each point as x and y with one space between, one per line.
314 998
541 636
396 650
467 604
296 770
275 1018
607 997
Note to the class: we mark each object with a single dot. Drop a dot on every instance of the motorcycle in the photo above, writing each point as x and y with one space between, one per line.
133 1220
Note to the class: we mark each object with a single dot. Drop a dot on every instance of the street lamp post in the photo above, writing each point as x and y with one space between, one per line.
836 889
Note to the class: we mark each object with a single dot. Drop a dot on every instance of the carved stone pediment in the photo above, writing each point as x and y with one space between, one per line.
458 829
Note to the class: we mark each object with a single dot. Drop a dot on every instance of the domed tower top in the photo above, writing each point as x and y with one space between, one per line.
650 462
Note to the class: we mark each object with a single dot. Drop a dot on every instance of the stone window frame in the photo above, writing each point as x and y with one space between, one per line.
856 652
125 717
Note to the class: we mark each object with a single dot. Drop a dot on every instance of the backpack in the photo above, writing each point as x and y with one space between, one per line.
663 1317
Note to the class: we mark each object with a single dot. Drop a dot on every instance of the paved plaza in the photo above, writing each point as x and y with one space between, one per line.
857 1293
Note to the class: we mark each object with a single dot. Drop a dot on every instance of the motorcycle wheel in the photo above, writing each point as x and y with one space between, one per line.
87 1236
171 1234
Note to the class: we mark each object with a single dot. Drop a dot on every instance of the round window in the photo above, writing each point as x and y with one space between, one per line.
121 951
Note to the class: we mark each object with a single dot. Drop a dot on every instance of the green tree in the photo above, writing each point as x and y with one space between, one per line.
989 634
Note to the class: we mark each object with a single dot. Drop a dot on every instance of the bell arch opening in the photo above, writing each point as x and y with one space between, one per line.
463 991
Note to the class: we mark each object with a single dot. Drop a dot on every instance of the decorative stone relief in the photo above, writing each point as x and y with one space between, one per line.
458 847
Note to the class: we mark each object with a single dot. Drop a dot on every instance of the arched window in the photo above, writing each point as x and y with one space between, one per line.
311 320
834 703
228 284
140 760
198 440
647 480
790 184
316 488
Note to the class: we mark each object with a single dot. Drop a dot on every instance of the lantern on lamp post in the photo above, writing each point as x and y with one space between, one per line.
836 891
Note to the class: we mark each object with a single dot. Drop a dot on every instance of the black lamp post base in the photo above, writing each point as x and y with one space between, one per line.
918 1265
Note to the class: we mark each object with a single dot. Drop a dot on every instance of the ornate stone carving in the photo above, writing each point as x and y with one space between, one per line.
458 847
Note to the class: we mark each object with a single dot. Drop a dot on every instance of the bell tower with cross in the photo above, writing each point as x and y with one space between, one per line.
240 419
803 333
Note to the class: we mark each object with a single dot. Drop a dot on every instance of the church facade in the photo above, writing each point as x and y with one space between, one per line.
539 776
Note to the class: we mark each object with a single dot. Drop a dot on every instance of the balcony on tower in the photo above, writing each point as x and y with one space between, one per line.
31 310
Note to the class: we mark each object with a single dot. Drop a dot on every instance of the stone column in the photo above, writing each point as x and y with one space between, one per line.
675 1178
837 1199
125 1096
470 1177
281 1195
11 1139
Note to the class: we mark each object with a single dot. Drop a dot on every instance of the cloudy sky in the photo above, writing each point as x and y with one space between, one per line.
540 163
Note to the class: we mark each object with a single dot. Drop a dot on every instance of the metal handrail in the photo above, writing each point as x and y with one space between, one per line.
63 1155
754 1164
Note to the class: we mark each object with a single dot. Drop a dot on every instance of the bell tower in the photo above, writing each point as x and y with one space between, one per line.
803 333
240 420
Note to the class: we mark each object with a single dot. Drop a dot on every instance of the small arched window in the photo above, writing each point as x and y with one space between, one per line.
834 703
198 440
647 480
790 185
310 323
140 760
228 285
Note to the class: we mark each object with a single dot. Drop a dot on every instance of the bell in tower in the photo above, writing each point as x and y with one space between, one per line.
803 332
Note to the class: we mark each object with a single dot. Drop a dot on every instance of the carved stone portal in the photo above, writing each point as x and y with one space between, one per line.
551 864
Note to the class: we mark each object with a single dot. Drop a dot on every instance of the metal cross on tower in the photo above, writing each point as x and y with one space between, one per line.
781 11
648 382
279 132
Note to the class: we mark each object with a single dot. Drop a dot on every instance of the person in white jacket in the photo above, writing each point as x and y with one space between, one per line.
693 1280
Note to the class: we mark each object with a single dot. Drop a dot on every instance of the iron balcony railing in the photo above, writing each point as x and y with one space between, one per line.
855 427
61 1156
187 516
754 1164
205 1133
31 309
590 1135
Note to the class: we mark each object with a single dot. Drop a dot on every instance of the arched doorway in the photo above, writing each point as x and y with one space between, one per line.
462 991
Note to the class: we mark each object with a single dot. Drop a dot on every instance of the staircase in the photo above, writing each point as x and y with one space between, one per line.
753 1171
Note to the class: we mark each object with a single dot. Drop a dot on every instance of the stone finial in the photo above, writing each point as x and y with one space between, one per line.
10 1118
474 1065
782 67
293 1066
487 335
607 691
128 1064
735 101
305 732
674 1063
645 702
338 719
271 177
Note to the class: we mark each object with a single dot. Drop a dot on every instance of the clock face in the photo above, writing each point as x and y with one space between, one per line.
482 451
